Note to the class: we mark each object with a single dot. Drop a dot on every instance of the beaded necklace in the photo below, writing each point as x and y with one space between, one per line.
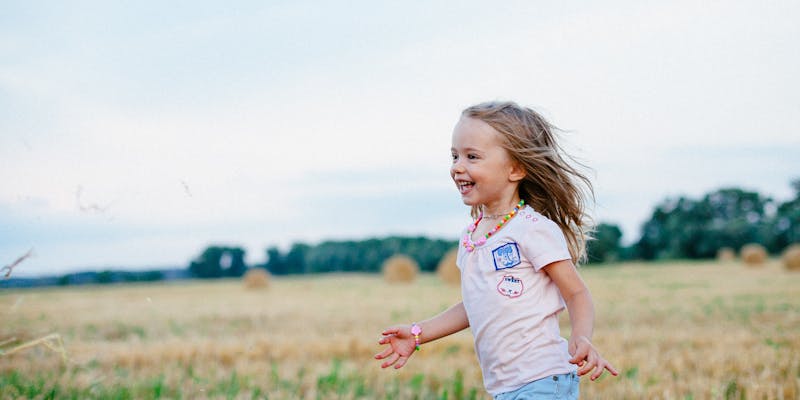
467 241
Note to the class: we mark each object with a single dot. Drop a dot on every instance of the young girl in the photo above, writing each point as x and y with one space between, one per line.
517 259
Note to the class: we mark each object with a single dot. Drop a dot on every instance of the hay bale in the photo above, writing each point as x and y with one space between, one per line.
256 278
447 270
753 254
726 254
791 257
400 269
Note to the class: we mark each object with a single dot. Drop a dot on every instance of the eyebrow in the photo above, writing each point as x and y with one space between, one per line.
468 149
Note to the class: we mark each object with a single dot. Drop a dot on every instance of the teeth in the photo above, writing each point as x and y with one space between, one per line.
463 185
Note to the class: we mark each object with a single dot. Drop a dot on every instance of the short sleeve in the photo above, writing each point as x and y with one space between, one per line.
544 243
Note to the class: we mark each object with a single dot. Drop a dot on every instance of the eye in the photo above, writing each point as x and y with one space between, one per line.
472 156
454 156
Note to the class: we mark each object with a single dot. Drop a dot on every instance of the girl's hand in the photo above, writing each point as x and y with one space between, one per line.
401 346
588 358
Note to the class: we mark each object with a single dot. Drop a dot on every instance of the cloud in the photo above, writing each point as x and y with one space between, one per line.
266 123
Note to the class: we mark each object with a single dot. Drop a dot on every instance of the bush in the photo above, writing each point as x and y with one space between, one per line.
753 254
400 269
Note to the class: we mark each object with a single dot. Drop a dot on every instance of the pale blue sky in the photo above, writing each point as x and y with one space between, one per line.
133 135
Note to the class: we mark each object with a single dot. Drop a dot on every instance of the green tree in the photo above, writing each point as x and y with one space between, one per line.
219 261
356 256
605 246
785 225
276 262
295 260
687 228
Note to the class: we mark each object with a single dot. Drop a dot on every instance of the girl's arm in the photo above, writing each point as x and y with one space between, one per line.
401 341
581 316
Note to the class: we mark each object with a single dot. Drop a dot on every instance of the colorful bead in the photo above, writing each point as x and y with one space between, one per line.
467 240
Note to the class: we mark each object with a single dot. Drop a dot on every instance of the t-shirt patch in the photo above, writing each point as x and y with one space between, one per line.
510 286
506 256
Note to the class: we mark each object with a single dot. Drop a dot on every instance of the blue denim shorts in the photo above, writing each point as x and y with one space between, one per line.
564 386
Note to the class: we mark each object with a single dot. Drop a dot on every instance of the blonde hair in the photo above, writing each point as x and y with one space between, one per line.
552 185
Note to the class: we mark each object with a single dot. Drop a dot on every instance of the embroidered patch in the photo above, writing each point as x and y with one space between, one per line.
510 286
506 256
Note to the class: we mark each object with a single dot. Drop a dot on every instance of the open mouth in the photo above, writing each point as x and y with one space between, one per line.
465 186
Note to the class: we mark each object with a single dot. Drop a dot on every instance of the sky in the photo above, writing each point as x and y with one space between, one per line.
135 134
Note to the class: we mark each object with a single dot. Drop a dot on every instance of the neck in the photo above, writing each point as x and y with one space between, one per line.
500 209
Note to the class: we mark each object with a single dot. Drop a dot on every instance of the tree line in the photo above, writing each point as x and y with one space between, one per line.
678 228
726 218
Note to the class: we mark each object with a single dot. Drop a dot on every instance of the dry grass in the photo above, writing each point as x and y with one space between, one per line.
675 331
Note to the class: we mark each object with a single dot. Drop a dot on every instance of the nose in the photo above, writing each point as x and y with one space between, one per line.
456 167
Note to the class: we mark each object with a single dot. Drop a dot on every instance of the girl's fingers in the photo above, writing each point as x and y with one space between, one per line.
384 353
603 365
611 369
391 331
588 365
585 368
400 362
599 371
580 354
392 359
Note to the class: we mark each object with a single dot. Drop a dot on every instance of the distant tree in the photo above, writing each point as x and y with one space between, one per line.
276 262
356 256
605 246
687 228
105 277
152 276
236 267
218 261
785 225
296 258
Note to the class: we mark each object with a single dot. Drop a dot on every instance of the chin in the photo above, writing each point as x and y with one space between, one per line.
468 202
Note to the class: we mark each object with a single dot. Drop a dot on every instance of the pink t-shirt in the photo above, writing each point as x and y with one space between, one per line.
513 305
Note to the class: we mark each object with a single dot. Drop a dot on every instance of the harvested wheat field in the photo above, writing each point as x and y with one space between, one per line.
675 331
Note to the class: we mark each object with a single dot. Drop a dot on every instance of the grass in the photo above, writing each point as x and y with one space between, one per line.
675 331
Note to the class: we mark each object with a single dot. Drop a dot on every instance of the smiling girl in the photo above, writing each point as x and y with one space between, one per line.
517 259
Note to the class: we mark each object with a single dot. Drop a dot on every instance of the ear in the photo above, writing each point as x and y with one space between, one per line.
517 172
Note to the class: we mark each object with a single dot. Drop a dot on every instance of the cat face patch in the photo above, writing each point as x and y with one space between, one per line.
506 256
510 286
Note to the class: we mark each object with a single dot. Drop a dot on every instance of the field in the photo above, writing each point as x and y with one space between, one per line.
675 331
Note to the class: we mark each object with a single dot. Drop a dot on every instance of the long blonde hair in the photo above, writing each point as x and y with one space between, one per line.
552 185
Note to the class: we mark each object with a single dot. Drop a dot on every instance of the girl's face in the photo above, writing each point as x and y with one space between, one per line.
484 172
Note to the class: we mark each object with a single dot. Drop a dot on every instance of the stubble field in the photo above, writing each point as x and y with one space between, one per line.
675 331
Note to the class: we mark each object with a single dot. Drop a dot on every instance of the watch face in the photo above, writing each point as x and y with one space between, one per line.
416 330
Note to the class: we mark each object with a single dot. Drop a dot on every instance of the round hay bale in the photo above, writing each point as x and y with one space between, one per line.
400 269
726 254
447 270
753 254
256 278
791 257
